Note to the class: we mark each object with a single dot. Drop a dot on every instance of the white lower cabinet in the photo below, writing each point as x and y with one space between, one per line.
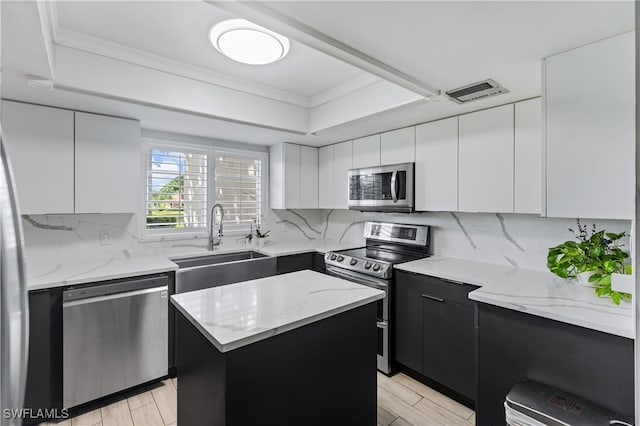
486 169
436 169
39 142
107 157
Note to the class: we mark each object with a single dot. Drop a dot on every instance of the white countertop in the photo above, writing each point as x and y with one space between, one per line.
72 273
84 272
534 292
236 315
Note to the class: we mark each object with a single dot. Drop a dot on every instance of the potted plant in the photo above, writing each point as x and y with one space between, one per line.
260 236
592 259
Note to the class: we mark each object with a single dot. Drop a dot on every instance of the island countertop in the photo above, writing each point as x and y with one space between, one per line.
237 315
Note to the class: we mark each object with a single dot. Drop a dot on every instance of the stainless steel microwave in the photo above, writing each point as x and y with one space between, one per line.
382 188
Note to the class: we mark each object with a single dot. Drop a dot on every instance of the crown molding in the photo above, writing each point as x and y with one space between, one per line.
343 89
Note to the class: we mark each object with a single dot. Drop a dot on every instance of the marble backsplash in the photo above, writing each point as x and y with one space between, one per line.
507 239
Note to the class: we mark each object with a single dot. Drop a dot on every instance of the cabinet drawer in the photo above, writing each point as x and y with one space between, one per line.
438 288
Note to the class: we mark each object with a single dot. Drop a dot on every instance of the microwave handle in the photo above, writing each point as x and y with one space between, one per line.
394 181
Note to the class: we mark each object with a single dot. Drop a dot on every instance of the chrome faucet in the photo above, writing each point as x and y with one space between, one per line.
215 241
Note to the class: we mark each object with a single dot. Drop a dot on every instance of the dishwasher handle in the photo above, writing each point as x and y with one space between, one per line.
113 296
110 287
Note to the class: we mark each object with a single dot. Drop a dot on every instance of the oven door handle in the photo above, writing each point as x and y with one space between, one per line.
394 183
382 324
357 279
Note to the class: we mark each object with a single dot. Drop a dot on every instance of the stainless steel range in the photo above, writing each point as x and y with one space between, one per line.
387 244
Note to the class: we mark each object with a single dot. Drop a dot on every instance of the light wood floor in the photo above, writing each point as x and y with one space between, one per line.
402 401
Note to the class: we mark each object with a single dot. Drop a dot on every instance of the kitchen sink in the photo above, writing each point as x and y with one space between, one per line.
214 259
212 270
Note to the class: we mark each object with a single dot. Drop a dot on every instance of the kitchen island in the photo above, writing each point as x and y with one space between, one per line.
292 349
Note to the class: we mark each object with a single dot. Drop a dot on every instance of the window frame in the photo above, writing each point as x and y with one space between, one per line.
210 151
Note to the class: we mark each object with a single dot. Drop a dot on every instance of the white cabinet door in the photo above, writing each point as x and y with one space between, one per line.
398 146
590 130
486 160
291 176
108 164
528 157
342 162
436 171
39 141
276 177
366 152
308 177
325 177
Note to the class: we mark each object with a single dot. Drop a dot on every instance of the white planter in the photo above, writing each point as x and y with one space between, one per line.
259 242
624 283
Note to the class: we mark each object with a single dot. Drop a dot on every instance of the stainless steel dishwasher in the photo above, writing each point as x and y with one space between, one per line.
115 336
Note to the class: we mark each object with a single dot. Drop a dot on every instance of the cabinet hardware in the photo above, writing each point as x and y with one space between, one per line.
452 281
437 299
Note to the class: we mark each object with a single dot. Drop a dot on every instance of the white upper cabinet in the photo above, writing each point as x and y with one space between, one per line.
398 146
308 177
366 152
294 176
325 177
528 157
342 162
39 141
486 160
590 130
436 171
291 176
108 166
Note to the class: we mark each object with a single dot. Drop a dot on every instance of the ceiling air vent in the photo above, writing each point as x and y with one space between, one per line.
476 91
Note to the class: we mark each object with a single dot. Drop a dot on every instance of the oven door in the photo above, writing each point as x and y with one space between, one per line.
384 188
382 320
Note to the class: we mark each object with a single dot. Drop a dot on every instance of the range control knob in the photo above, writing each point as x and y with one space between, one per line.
333 256
353 262
367 265
340 258
376 267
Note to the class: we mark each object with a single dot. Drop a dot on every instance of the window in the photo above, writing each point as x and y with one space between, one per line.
182 184
238 188
176 190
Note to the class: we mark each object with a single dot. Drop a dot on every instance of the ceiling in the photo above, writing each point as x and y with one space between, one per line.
178 31
443 44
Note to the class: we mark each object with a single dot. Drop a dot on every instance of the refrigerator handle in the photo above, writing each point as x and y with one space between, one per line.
18 332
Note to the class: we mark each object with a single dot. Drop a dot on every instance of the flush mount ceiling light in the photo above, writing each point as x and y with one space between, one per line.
246 42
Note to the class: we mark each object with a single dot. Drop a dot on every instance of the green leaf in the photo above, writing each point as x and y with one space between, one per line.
615 296
605 281
594 277
628 269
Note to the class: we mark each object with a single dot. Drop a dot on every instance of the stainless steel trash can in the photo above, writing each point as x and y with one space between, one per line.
535 404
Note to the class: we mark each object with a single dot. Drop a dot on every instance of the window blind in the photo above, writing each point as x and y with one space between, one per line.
176 195
238 188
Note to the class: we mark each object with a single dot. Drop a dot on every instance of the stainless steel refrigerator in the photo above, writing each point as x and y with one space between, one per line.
14 309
